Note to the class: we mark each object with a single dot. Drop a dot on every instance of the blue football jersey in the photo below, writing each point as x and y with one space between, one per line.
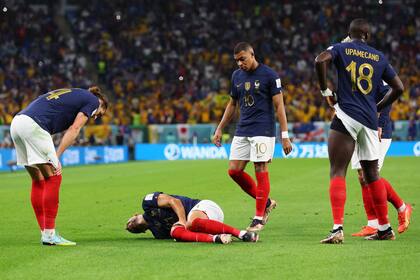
360 70
254 91
161 220
56 110
384 120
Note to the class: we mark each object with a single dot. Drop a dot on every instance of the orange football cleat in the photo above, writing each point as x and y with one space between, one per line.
365 231
404 218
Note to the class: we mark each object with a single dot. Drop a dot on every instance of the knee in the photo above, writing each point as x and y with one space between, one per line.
371 176
189 225
334 172
234 173
194 225
37 177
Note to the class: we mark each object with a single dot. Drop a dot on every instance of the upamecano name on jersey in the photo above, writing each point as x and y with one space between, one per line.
362 54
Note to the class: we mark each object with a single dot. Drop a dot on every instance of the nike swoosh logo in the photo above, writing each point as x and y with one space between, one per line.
238 85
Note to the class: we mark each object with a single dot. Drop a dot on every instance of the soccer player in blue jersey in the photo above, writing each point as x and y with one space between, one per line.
255 88
360 70
185 219
31 129
385 138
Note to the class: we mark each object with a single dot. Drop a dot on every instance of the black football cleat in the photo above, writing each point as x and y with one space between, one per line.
250 236
334 237
256 225
387 234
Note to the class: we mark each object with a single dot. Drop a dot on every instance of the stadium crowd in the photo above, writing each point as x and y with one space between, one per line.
171 61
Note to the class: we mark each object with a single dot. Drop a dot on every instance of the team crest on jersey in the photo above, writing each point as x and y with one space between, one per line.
247 85
257 85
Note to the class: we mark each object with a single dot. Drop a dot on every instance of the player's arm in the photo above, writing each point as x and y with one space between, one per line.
281 115
227 117
72 133
167 201
321 63
383 116
397 89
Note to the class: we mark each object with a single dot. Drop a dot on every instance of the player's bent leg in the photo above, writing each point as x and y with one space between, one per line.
263 191
237 173
404 210
372 224
37 193
207 217
247 183
50 204
180 233
215 227
379 197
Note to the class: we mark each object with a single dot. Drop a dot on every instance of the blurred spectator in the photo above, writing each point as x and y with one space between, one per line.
169 62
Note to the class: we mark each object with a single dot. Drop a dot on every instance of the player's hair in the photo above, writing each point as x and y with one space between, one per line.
134 227
358 28
242 46
97 92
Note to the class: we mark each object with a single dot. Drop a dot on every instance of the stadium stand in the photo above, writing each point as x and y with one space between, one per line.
168 62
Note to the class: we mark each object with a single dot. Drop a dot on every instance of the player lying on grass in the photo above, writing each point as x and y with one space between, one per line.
185 219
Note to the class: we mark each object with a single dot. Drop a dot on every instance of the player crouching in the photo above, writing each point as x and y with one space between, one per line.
185 219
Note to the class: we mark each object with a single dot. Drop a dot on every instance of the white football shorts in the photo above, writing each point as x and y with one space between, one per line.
383 149
212 210
367 140
33 144
255 149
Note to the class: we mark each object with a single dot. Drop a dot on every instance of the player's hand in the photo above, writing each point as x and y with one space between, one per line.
179 224
287 145
217 137
380 133
331 100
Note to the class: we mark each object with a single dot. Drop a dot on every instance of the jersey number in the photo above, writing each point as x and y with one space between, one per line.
356 81
55 94
248 100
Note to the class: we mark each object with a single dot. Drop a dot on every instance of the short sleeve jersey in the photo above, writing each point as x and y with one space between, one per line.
56 110
360 70
254 91
161 220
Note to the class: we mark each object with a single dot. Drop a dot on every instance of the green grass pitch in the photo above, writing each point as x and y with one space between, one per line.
96 201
